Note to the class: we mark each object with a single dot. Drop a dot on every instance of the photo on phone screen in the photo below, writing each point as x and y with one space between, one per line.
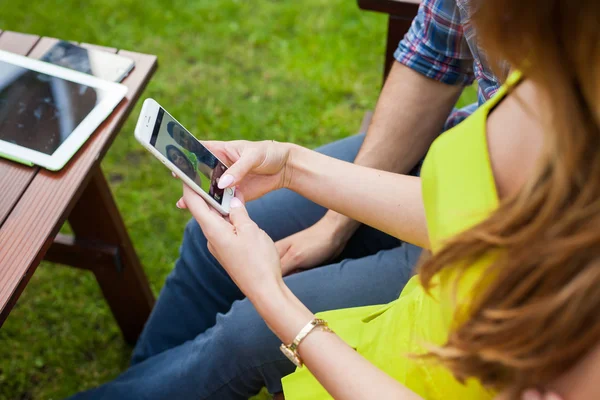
188 154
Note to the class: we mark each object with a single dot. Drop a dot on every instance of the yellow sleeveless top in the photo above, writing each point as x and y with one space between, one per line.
458 192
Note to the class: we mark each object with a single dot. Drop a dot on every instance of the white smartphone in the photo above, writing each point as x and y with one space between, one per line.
104 65
183 154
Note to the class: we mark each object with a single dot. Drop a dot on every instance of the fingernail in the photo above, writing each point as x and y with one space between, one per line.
531 395
173 173
177 204
225 181
235 203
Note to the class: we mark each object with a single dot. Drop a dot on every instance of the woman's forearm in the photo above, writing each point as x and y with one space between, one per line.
386 201
343 372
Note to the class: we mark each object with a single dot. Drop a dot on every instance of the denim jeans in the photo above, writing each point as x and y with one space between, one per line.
204 340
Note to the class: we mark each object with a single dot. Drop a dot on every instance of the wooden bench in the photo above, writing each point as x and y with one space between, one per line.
35 203
400 15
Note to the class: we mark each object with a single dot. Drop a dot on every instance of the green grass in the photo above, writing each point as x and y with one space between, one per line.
291 71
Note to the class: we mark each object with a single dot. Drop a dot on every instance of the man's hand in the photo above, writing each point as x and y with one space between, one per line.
313 246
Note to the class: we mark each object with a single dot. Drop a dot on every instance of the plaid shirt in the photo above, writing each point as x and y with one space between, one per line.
441 45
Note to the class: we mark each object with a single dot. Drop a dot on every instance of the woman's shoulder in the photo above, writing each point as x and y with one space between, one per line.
515 135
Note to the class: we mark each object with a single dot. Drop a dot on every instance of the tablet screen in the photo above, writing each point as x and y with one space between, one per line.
39 111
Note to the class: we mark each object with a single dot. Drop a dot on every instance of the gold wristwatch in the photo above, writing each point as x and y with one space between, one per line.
291 350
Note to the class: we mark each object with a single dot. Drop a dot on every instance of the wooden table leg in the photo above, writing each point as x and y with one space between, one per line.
95 219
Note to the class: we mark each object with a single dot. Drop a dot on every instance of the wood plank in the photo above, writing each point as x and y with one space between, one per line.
14 178
42 46
83 254
29 230
19 43
401 8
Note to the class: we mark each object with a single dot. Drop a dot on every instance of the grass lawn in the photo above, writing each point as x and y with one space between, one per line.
290 71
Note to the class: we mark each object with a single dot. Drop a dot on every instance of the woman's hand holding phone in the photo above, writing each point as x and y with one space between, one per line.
244 250
256 168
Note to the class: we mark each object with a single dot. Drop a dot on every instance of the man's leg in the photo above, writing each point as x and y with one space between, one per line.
198 288
239 354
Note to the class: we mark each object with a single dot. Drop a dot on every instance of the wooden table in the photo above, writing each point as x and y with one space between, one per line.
35 203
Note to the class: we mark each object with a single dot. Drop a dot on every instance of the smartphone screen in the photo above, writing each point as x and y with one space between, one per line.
112 67
188 154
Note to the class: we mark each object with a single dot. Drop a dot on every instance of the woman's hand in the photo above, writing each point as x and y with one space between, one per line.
255 167
244 250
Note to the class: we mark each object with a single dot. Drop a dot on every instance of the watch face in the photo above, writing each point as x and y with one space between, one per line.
291 355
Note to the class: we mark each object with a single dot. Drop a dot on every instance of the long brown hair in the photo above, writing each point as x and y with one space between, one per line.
540 313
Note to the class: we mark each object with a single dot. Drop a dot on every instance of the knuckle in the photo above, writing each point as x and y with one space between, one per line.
214 238
210 235
246 227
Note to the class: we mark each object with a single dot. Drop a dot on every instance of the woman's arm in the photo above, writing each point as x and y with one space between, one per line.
342 371
386 201
250 258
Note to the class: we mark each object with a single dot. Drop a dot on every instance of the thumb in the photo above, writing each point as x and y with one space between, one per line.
247 162
238 215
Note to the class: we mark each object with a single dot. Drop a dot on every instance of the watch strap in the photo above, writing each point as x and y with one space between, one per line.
291 350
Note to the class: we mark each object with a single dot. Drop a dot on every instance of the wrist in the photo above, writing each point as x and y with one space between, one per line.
342 227
283 312
294 156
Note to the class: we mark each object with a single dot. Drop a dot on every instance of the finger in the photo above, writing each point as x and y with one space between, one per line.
181 204
239 169
240 195
213 145
173 174
218 214
213 226
283 246
238 215
228 152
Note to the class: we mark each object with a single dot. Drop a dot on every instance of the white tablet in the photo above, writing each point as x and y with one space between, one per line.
47 112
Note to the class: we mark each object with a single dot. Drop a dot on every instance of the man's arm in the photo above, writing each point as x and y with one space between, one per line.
434 63
410 114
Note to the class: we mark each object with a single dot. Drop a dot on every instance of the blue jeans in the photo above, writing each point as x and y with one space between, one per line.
204 340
